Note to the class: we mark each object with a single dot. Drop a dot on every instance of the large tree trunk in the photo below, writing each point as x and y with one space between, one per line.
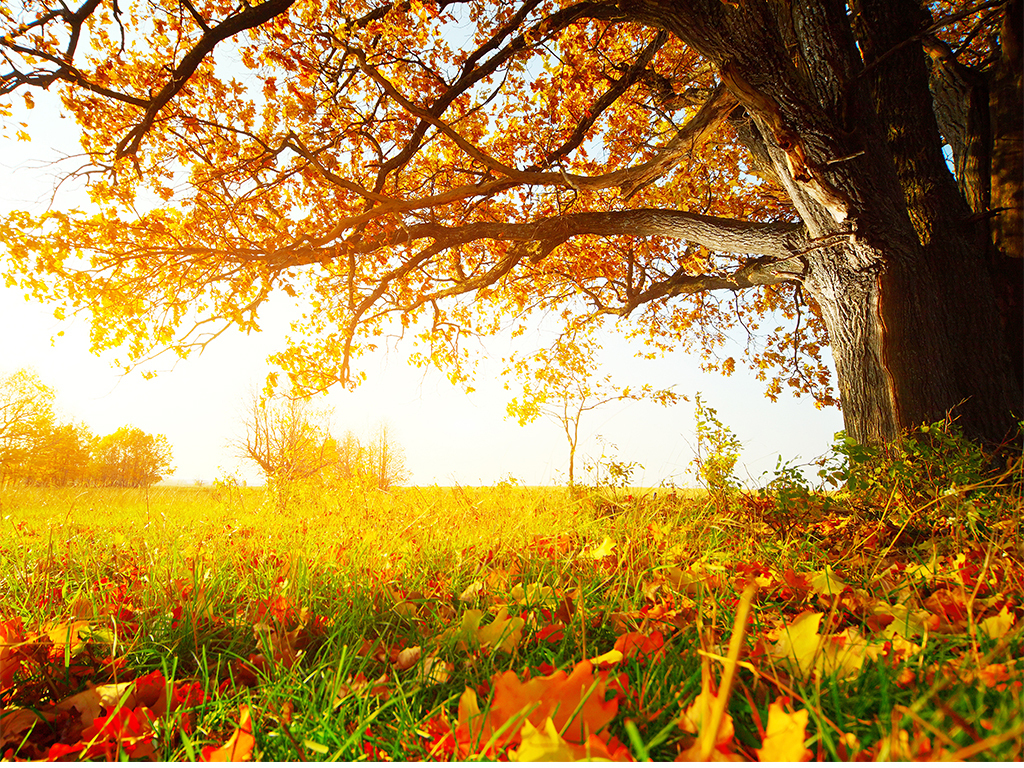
901 276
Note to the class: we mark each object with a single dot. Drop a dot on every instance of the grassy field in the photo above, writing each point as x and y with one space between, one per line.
880 623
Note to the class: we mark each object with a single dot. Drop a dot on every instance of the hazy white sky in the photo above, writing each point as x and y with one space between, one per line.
448 436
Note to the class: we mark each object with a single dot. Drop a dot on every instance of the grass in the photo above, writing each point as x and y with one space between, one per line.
355 624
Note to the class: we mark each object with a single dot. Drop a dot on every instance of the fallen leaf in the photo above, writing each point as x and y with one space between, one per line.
785 734
239 747
826 582
546 745
575 703
644 648
503 633
997 626
408 657
607 549
799 643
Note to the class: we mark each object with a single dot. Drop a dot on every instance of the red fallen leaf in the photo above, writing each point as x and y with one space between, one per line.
999 676
239 747
906 678
247 674
643 647
949 606
12 634
552 633
130 730
879 621
187 696
60 750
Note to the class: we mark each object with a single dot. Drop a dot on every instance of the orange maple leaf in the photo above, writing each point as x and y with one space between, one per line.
239 747
575 703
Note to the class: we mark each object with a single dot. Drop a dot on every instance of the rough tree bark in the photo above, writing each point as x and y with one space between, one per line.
908 298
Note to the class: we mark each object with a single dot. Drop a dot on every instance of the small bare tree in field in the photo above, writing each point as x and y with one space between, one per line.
293 444
560 382
287 440
386 459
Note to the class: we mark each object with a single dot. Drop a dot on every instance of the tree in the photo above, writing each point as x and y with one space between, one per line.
292 443
559 383
26 414
61 455
131 458
691 167
385 459
287 439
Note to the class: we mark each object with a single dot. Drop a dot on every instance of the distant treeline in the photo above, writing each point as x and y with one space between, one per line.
35 449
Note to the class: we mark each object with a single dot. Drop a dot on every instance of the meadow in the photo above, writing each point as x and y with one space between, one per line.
880 620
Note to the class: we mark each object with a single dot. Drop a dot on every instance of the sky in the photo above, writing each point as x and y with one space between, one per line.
449 436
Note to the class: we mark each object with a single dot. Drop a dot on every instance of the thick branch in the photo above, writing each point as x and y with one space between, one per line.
778 240
252 16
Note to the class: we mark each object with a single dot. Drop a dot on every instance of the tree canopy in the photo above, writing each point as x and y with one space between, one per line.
695 169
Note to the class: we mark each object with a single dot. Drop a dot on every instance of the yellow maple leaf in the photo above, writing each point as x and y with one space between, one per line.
826 582
799 643
695 716
785 735
997 626
546 745
503 633
607 549
542 745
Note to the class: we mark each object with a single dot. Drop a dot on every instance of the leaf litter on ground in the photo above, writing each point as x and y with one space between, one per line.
618 643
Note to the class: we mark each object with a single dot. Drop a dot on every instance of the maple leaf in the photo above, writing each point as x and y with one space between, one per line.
534 594
12 634
799 643
16 724
645 648
575 703
545 744
826 582
91 702
785 735
127 729
73 636
804 651
999 625
239 747
503 633
695 719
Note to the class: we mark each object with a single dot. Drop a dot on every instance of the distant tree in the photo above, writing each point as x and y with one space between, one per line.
291 442
131 458
26 413
385 460
288 440
62 455
560 382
